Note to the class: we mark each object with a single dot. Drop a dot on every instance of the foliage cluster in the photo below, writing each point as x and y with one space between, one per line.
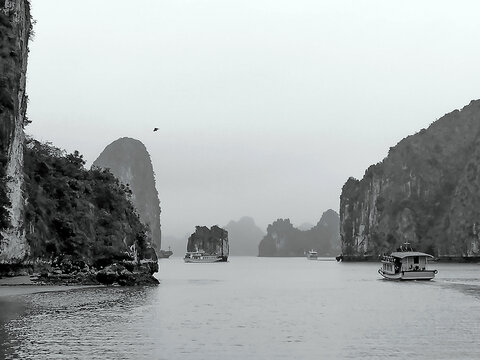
83 214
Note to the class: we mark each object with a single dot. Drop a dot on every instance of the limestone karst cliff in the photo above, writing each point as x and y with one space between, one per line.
283 239
129 160
66 223
426 191
15 29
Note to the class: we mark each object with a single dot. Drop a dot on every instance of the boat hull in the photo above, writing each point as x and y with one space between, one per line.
164 254
206 259
409 275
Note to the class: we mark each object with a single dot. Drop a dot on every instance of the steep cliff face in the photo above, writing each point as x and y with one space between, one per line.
283 239
245 236
426 191
130 162
15 28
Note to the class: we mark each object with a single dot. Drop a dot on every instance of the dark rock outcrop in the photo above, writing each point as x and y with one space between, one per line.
211 241
283 239
245 236
129 161
426 192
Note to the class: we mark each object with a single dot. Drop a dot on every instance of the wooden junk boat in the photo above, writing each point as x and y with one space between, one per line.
406 264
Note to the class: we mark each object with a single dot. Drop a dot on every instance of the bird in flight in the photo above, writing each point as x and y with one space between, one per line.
155 129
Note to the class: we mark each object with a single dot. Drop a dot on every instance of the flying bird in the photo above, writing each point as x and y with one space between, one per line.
155 129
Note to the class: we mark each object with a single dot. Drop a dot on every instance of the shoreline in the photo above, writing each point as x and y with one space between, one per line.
23 285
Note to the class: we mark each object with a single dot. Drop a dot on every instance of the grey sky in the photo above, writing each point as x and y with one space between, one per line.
265 107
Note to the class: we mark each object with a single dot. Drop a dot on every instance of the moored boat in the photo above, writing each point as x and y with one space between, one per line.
207 245
165 254
406 264
201 257
312 255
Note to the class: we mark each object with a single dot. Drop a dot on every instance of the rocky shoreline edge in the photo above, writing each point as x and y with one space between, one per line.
441 259
125 273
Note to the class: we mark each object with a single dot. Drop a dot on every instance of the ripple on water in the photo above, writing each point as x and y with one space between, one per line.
255 309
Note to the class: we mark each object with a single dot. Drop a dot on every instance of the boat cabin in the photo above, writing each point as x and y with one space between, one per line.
412 260
407 265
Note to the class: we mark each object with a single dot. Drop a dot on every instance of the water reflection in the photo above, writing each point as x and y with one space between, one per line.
70 324
10 308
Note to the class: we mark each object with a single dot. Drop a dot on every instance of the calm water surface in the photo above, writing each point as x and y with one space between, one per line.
253 308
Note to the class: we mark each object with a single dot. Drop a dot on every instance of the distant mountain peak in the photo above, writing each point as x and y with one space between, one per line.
244 236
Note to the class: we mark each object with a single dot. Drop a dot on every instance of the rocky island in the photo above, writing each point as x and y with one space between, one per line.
213 241
57 219
283 239
425 192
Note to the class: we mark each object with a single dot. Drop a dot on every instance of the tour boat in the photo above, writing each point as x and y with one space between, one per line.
165 254
406 264
312 255
201 257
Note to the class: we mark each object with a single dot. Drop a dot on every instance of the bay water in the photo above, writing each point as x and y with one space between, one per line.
253 308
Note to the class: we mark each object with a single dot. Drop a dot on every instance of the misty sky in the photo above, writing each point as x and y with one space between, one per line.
265 107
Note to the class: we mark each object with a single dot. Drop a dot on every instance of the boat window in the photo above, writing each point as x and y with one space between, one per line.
416 260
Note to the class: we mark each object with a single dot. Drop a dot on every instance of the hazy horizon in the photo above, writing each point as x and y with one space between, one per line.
265 108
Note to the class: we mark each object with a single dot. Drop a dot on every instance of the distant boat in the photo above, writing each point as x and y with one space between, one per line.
406 264
207 245
201 257
164 254
312 255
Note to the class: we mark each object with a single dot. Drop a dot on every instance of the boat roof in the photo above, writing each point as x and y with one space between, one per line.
404 254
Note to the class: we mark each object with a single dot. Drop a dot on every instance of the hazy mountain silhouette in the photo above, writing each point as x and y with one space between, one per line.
244 236
305 226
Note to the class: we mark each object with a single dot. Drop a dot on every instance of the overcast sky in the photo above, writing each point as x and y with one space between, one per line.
265 107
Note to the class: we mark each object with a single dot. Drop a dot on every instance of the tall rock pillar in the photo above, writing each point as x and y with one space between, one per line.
15 28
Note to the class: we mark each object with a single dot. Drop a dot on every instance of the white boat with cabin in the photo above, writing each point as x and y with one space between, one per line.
406 265
201 257
312 255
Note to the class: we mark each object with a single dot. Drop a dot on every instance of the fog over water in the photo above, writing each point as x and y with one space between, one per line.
265 108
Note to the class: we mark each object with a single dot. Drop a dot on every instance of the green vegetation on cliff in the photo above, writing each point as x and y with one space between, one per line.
85 215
